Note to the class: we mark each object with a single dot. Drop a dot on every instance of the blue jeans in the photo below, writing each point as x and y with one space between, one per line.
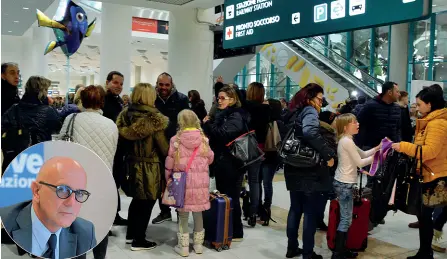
267 173
345 199
307 204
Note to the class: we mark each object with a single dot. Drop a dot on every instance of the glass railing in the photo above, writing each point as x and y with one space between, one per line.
338 63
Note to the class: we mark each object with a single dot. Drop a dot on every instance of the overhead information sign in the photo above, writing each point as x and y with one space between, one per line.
256 22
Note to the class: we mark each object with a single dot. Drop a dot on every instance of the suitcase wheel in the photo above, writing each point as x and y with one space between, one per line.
219 249
225 247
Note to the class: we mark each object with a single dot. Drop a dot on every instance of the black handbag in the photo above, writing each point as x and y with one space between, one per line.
408 186
245 149
296 153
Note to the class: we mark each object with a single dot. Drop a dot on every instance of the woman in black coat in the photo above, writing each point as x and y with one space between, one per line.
306 185
228 124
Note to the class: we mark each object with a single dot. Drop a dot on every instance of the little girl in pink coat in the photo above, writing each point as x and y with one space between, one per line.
190 137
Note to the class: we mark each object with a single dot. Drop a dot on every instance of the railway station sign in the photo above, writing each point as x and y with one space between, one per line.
256 22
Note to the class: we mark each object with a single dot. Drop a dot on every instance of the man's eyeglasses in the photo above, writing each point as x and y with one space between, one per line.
161 84
64 192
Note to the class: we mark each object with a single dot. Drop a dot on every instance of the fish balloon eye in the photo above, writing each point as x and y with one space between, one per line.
80 17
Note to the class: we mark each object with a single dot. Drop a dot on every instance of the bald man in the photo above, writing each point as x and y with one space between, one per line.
48 226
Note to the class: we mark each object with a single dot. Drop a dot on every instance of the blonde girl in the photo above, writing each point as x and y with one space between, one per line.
350 157
190 139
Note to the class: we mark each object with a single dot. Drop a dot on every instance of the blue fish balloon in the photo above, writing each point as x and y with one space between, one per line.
70 26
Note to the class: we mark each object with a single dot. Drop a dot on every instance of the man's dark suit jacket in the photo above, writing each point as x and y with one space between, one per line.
75 240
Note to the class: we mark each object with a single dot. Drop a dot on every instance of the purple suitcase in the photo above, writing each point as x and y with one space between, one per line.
218 222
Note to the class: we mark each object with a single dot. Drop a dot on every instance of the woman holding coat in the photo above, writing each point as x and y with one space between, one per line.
143 126
431 136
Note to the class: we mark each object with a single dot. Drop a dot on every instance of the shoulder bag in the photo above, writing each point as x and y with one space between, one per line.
245 148
174 194
68 135
295 153
408 184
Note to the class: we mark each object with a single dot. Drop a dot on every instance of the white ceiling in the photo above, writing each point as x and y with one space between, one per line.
15 19
86 60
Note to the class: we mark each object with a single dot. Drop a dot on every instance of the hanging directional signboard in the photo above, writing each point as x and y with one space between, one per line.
255 22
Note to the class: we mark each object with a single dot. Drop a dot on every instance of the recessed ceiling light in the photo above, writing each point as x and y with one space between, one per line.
25 8
16 21
434 5
153 44
9 31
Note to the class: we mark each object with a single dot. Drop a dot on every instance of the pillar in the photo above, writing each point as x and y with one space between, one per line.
39 61
92 79
398 63
137 74
116 36
190 60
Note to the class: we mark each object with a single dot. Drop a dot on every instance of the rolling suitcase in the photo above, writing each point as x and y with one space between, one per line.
358 231
218 222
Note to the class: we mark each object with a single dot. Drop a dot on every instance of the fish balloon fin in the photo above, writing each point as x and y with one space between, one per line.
51 46
44 21
90 28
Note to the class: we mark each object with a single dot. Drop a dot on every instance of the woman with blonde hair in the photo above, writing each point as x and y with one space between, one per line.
191 143
143 126
228 124
75 107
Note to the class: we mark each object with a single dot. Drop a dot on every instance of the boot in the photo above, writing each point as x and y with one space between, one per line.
199 237
414 225
422 255
340 243
252 221
182 248
435 244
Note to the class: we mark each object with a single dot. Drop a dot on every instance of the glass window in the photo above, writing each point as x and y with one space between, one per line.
381 52
421 49
441 37
361 48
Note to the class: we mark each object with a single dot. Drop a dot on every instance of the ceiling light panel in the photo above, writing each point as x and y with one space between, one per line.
173 2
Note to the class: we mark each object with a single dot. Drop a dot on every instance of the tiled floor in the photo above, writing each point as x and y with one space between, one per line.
392 240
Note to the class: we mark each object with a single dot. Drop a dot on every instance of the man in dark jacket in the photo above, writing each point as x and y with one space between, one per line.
380 118
170 103
113 105
10 81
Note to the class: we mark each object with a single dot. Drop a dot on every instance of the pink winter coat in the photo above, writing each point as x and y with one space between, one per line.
198 180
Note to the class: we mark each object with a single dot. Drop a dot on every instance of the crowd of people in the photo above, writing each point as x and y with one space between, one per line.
157 129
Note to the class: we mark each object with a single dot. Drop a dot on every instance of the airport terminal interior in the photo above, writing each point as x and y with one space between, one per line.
349 47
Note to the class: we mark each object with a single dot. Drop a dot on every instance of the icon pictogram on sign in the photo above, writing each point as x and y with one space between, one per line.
296 18
229 33
230 12
320 13
338 9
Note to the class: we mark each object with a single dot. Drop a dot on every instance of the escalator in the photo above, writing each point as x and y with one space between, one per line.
349 76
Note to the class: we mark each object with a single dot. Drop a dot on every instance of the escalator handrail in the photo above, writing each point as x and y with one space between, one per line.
348 76
319 40
344 60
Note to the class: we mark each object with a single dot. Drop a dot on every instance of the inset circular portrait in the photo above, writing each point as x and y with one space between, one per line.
58 200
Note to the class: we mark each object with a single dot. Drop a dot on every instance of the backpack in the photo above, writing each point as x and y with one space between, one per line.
15 139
